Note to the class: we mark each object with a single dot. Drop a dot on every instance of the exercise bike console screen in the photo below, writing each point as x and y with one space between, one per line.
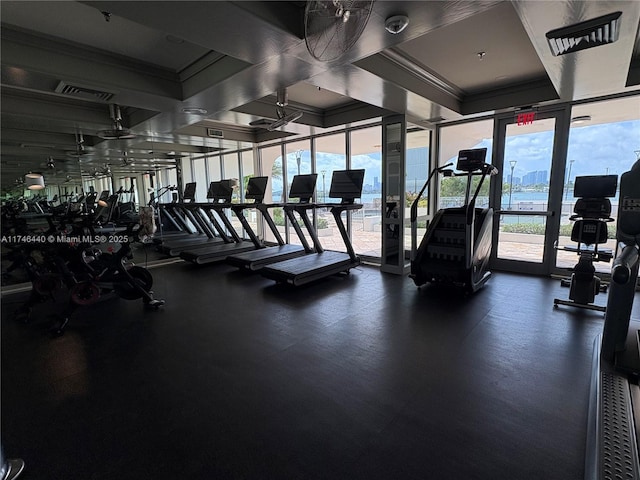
595 186
347 185
256 188
303 187
471 160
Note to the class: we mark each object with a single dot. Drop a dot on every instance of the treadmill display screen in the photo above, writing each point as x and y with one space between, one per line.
190 191
303 186
221 190
346 184
595 186
256 188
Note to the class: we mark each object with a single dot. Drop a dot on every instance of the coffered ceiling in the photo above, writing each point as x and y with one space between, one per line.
183 73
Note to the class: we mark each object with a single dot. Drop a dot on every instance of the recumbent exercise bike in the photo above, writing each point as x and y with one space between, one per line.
592 212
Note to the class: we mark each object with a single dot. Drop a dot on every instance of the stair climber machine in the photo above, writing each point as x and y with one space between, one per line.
614 407
456 248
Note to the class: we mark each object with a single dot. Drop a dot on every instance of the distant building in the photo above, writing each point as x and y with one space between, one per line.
542 176
536 177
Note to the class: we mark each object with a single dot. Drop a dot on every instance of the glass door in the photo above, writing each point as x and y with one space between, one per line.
527 192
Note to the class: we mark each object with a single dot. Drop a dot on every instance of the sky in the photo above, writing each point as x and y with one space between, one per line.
595 150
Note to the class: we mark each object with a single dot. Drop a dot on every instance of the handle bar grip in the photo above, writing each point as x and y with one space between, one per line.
623 265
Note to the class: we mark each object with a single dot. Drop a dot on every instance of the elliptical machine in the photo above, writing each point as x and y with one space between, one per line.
614 417
592 213
456 247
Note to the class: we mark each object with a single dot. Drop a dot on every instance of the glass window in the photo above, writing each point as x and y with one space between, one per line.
231 171
330 156
272 165
462 137
231 164
602 141
186 171
199 175
366 152
417 171
252 215
248 169
297 162
298 156
213 167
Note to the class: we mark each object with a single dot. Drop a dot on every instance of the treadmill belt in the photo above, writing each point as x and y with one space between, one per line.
257 259
301 270
217 253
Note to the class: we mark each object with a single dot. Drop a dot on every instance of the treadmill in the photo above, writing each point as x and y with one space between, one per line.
171 223
190 213
346 185
302 186
221 192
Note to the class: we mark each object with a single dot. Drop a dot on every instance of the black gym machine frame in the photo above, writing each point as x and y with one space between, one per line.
614 407
456 248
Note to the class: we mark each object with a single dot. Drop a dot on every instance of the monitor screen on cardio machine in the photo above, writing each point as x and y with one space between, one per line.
189 192
256 188
303 186
222 190
595 186
347 185
471 160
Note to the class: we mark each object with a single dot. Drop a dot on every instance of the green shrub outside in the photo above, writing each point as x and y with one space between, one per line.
538 229
278 219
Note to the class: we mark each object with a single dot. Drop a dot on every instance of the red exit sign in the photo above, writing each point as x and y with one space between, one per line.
526 118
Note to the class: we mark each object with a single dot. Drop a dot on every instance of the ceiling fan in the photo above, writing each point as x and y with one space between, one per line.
118 132
80 151
105 171
126 161
283 118
332 27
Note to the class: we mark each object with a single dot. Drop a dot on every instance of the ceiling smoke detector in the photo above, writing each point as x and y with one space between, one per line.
396 24
588 34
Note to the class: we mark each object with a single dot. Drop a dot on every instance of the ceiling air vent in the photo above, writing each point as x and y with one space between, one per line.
215 133
83 92
591 33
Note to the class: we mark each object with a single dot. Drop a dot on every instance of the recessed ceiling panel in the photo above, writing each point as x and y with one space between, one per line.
454 52
317 97
79 23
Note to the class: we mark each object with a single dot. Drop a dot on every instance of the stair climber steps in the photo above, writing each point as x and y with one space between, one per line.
445 251
452 222
442 235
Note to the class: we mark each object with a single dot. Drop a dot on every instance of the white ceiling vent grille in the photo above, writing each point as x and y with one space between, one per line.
591 33
83 92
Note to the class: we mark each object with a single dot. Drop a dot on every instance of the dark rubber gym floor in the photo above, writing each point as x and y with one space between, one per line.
359 377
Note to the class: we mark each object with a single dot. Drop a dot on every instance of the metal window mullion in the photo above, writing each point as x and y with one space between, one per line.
347 149
285 190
